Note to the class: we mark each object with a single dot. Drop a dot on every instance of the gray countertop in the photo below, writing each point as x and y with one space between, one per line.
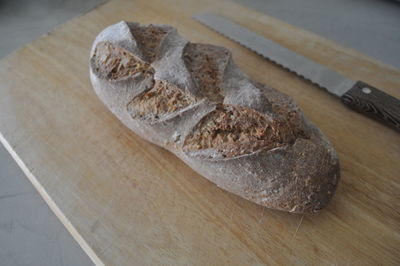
30 234
369 26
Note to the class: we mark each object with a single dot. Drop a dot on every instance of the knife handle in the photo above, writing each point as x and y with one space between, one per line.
374 103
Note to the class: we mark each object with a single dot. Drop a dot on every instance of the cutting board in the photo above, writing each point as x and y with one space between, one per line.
128 202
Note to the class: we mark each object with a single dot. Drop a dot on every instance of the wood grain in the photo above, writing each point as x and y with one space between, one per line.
129 202
374 103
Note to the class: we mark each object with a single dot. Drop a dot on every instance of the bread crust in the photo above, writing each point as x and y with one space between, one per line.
192 100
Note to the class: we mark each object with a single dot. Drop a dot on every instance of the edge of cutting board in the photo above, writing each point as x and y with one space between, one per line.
52 205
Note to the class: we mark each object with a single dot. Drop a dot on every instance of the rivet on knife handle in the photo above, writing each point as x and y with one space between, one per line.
373 102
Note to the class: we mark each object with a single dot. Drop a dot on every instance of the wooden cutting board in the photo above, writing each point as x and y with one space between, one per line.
129 202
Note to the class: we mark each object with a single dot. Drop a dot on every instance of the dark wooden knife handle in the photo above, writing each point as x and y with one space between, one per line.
374 103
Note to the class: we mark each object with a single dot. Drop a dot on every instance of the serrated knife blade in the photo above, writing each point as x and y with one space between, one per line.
356 94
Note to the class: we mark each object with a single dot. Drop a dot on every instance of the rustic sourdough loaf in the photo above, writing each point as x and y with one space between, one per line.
193 100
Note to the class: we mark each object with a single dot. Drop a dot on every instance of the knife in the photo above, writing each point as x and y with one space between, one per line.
357 95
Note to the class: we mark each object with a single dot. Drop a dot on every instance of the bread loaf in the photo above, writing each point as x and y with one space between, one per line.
192 100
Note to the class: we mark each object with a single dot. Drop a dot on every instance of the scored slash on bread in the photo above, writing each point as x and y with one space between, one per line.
193 100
